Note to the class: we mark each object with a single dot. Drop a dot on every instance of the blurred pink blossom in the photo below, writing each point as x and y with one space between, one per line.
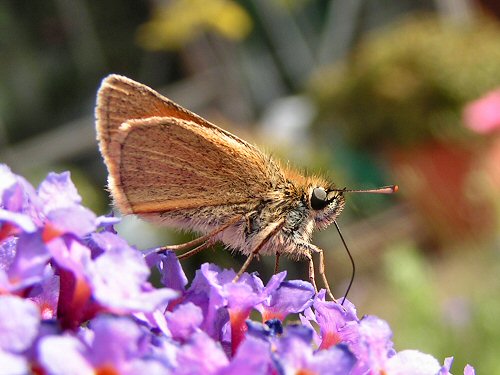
483 115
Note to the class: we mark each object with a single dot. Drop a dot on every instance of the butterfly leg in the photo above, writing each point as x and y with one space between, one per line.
200 243
277 263
185 245
323 274
313 249
312 278
265 235
196 250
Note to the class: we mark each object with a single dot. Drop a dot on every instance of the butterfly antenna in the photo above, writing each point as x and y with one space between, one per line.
352 263
382 190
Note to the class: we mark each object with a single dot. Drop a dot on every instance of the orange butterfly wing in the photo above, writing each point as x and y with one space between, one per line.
162 157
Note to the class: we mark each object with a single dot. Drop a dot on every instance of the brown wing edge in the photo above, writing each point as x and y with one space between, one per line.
113 161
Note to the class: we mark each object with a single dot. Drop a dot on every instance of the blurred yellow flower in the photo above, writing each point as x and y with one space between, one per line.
180 21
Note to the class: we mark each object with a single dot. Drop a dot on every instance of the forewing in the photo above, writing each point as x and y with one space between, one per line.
163 163
161 156
121 99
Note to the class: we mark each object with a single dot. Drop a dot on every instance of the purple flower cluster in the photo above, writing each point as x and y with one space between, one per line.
75 299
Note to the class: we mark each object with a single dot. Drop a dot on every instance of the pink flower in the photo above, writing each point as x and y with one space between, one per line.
483 115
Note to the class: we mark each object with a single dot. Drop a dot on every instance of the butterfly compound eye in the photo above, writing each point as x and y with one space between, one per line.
318 199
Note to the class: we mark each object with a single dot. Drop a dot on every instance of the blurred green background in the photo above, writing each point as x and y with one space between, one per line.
368 92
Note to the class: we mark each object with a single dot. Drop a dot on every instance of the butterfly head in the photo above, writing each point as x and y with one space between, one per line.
325 204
